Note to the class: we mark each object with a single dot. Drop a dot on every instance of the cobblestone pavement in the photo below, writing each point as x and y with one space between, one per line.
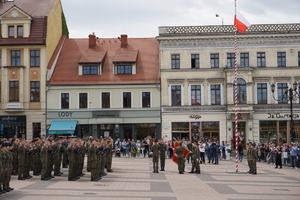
133 179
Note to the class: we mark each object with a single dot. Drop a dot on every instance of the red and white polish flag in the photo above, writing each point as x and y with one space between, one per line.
240 22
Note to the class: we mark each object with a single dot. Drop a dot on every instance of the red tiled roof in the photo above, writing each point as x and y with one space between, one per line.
125 55
34 8
92 56
147 65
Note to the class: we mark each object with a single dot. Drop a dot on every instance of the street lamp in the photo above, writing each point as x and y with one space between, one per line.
290 95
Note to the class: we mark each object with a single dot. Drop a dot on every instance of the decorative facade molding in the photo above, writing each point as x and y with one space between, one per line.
190 109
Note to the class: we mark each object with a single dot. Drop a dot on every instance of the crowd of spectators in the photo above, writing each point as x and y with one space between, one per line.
211 152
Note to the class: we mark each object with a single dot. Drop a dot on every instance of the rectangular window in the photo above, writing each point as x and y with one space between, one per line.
126 99
215 93
90 70
196 95
262 93
244 60
11 31
230 60
176 95
281 59
105 97
65 100
214 60
175 61
13 90
124 69
281 89
298 58
83 100
195 63
146 99
19 31
34 91
34 58
261 59
15 58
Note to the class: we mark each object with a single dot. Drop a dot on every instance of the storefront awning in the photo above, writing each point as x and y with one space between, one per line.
62 127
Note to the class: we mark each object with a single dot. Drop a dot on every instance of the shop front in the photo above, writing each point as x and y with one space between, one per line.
13 126
116 124
275 127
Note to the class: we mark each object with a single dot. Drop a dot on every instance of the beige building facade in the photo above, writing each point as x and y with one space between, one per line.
29 35
197 82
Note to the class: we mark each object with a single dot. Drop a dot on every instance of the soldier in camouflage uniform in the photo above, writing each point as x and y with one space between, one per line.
195 158
44 160
6 166
15 165
155 149
162 156
180 158
109 154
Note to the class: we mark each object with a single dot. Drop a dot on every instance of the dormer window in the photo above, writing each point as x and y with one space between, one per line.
20 31
90 70
11 31
15 31
124 69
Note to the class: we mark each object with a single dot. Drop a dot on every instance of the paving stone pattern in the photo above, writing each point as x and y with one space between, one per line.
133 179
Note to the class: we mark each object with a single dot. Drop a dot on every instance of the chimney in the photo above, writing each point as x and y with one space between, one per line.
124 42
92 40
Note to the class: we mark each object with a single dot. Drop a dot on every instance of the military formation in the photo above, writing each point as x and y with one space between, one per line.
46 157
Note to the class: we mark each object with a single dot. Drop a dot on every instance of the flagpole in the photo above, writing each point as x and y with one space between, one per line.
235 96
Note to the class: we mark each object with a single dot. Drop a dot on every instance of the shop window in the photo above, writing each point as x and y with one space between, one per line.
175 61
65 100
196 95
176 95
195 62
105 99
180 130
13 90
36 129
146 99
261 59
230 60
145 131
83 100
34 91
126 99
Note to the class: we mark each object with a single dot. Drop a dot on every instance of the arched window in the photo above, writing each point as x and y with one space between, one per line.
241 91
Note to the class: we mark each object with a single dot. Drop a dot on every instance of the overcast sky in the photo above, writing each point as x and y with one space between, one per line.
141 18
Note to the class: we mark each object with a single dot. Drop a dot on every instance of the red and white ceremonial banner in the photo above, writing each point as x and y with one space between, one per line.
240 22
185 152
